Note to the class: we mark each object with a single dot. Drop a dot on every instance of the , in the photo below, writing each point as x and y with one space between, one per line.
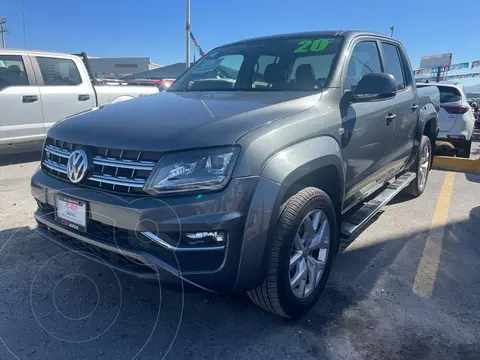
250 172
